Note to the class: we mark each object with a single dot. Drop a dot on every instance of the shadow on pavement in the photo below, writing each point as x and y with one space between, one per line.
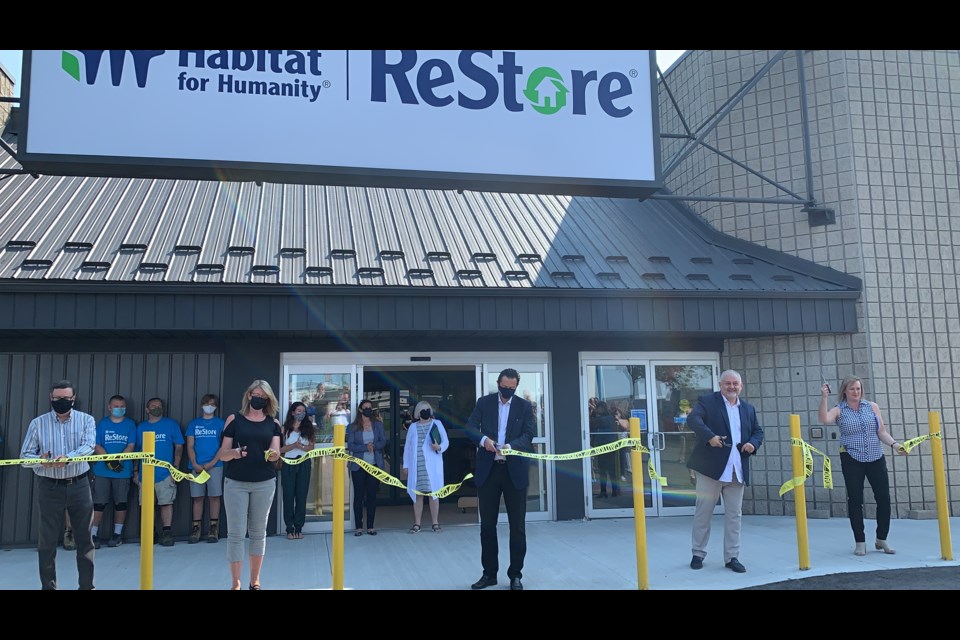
925 578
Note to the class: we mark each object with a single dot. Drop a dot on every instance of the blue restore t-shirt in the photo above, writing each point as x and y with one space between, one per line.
206 435
114 438
168 434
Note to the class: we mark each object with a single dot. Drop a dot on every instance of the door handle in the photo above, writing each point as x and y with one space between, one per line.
663 441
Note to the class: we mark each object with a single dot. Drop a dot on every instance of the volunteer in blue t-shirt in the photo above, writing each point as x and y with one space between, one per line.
169 448
116 433
203 449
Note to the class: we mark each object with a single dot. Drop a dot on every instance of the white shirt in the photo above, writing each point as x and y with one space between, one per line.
503 415
734 469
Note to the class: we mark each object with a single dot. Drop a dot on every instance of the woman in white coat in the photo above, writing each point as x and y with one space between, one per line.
423 462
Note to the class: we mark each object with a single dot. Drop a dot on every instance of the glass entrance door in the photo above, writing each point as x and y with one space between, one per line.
677 388
327 391
614 393
395 393
661 391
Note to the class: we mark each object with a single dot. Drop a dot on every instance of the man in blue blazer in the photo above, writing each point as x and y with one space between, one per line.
502 421
727 435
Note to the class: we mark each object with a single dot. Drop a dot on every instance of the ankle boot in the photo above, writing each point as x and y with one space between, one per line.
883 546
214 534
195 533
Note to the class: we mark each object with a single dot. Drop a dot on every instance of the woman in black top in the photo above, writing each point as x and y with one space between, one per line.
251 444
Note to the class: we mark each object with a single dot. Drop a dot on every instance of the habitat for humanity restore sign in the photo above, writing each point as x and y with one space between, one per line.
537 121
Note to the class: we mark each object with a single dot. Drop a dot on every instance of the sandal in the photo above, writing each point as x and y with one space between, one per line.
358 532
415 529
371 532
298 535
291 536
254 587
436 528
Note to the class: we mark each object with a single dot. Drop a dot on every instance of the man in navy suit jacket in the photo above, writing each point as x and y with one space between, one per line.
502 421
727 435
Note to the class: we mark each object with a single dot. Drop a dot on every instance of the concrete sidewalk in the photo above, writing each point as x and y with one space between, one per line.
591 555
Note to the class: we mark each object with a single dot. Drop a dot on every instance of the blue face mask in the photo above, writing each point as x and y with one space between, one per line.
118 412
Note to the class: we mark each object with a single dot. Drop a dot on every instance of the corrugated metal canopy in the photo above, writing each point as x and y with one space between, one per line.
177 231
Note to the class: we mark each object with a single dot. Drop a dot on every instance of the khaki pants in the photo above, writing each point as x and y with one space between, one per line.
708 492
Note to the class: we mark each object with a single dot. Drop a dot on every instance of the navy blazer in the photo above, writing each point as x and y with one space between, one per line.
709 419
356 447
521 429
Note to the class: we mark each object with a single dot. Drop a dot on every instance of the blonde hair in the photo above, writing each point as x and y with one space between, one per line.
849 380
273 406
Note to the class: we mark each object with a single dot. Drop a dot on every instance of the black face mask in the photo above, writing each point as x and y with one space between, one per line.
368 412
258 403
62 405
425 414
507 393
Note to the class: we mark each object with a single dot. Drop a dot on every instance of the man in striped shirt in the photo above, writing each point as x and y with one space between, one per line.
62 433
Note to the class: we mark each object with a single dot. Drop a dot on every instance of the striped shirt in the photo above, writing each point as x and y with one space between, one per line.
858 431
75 437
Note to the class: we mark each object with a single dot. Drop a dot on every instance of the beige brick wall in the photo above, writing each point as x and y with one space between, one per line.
6 90
884 146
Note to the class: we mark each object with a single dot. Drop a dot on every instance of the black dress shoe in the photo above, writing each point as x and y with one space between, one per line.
515 584
484 582
735 566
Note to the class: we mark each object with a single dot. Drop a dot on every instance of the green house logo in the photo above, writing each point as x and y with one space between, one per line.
545 91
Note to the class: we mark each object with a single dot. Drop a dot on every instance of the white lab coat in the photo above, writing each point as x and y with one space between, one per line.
432 459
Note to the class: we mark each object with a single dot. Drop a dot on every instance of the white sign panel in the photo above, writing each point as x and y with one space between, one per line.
538 121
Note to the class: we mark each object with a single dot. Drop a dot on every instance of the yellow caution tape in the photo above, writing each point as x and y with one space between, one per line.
633 443
132 455
386 478
177 474
808 451
912 442
379 474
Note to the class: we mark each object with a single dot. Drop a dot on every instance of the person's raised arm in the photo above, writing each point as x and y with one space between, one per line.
827 416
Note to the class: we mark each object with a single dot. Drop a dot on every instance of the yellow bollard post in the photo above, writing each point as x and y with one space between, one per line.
940 485
800 496
639 509
339 466
146 513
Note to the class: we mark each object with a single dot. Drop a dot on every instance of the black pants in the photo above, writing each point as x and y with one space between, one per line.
53 499
876 473
295 480
488 498
365 488
607 468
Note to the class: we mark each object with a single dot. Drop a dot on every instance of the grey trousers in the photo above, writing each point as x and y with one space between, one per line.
247 505
708 492
53 499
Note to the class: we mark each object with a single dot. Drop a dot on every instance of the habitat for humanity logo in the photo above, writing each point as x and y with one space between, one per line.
92 59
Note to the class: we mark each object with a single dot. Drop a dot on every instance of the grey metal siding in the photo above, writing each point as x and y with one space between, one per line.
179 378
